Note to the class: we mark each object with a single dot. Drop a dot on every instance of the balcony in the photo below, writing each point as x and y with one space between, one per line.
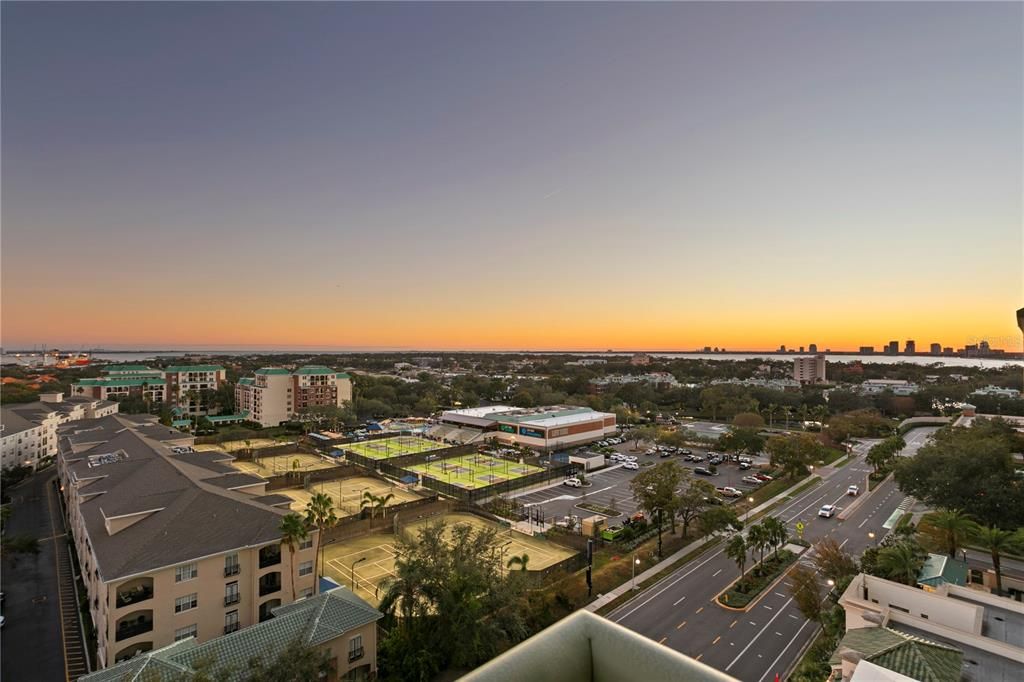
233 569
134 592
134 624
231 627
355 654
270 556
270 583
232 599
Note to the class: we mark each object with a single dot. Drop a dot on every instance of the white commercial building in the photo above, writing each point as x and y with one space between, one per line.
998 391
544 428
28 432
809 370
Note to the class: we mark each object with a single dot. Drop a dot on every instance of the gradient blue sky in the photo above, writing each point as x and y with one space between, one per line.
582 176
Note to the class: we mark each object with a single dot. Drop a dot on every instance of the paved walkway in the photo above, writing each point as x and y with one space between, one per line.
667 562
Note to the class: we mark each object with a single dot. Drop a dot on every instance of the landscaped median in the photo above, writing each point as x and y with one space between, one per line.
743 593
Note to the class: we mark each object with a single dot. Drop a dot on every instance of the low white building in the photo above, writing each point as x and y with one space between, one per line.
896 386
998 392
28 432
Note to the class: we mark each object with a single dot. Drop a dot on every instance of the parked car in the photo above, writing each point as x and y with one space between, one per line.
697 458
764 477
752 480
631 465
664 453
729 491
713 500
704 471
649 451
615 457
853 490
744 466
627 458
828 511
573 482
685 452
744 460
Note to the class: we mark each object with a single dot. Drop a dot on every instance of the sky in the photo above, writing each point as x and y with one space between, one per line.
511 176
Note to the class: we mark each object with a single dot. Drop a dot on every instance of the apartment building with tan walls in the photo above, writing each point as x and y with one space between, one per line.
172 543
275 394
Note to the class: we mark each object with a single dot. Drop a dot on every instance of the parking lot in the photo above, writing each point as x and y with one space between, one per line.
609 487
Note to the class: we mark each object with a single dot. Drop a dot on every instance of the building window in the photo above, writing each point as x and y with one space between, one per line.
231 622
306 568
307 543
185 632
231 594
306 593
189 601
231 566
355 648
186 572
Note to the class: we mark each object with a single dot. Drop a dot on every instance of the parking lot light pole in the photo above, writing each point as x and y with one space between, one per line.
750 501
871 536
636 562
352 569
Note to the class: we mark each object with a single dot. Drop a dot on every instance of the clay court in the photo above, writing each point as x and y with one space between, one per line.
473 471
235 445
347 493
283 464
375 554
542 553
397 446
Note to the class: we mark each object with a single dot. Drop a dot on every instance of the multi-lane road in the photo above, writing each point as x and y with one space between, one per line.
681 612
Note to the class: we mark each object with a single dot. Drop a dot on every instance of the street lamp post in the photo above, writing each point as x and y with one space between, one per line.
750 501
871 536
636 562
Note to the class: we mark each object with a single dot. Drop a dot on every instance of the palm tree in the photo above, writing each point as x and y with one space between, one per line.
777 532
320 514
771 409
520 561
370 500
737 551
949 529
997 541
293 531
802 413
758 539
382 504
900 562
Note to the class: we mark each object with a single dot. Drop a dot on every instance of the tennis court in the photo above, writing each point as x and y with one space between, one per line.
542 553
473 471
369 560
283 464
396 446
233 445
347 493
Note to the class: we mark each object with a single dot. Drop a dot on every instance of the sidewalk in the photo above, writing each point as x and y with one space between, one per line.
665 563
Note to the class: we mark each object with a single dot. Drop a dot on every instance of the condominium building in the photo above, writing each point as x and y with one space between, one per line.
274 394
181 386
28 432
809 370
336 622
172 543
910 347
896 386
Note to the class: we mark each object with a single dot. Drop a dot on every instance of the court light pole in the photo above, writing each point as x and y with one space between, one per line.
352 569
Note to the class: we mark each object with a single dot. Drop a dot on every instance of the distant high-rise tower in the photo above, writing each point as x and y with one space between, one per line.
892 348
936 349
813 348
810 370
910 347
1020 319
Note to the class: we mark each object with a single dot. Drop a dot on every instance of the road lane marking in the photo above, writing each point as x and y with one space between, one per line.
786 648
715 574
752 622
662 640
662 590
700 609
733 623
843 543
699 656
755 637
779 594
716 639
767 607
864 521
794 617
778 633
678 601
681 625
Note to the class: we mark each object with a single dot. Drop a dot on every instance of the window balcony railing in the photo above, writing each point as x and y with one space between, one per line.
355 654
232 599
134 596
127 631
232 569
231 627
269 559
269 588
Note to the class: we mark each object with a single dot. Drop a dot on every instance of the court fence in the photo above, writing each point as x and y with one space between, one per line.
410 459
292 478
366 521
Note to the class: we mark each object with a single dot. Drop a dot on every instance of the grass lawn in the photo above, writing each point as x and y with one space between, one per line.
473 471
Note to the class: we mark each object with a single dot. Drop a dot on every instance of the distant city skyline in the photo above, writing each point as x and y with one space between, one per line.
634 176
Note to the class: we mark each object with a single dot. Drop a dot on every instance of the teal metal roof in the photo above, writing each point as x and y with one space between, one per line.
939 569
117 382
314 369
247 381
272 371
130 368
312 622
195 368
224 418
177 423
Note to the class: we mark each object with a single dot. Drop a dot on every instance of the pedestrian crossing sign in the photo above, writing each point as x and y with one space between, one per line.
800 527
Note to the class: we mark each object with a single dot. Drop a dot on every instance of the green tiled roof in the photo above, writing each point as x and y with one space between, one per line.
914 657
246 381
312 622
121 381
195 368
344 375
181 422
130 368
315 369
272 370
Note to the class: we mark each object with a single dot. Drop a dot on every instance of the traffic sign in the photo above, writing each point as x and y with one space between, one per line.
800 528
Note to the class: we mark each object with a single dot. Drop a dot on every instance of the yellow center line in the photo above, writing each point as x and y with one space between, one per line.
700 609
733 624
716 639
681 625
